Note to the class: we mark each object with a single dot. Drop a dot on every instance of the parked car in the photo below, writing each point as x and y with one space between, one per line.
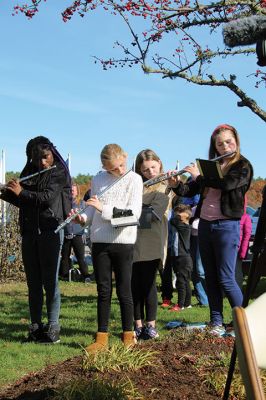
254 220
250 210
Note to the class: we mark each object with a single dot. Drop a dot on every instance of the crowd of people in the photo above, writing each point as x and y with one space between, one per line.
195 230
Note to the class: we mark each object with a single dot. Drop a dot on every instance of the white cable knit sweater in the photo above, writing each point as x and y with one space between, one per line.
126 194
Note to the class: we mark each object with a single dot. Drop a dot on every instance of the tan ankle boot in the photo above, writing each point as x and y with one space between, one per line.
101 343
129 338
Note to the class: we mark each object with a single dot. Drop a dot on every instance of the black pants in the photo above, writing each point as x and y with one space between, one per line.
79 250
183 267
40 255
167 278
108 257
144 289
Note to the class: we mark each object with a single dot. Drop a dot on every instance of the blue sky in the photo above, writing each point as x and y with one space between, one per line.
49 85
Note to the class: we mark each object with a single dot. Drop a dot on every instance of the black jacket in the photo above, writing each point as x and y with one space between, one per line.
184 233
44 202
233 186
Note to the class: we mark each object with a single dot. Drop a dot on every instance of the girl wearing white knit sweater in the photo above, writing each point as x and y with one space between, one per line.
112 248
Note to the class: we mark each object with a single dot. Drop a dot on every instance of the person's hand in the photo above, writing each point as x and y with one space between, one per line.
79 219
95 202
173 180
193 170
14 186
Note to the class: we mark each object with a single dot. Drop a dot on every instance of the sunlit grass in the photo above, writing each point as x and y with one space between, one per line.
119 358
93 390
78 326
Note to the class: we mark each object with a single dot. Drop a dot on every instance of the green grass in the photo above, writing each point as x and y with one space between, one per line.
78 325
118 358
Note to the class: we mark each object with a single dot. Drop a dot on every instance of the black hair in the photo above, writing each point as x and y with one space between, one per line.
35 148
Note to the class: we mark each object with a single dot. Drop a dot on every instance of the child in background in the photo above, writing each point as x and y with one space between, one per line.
182 262
167 272
74 239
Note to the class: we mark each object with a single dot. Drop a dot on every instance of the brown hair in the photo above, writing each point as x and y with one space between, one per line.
111 152
183 208
146 155
212 149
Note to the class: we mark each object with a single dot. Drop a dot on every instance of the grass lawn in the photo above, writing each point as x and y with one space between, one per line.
78 325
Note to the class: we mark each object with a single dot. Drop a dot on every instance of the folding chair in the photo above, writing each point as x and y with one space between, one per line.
250 330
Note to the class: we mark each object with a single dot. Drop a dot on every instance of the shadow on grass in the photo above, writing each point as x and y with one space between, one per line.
15 319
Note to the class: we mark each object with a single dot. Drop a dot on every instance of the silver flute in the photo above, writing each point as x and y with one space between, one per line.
25 178
81 210
166 176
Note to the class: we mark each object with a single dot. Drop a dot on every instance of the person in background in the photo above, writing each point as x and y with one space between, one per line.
182 262
151 246
44 201
87 195
245 234
167 272
74 239
88 259
112 247
198 274
220 209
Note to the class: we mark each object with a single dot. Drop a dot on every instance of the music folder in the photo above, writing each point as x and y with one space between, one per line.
209 169
120 222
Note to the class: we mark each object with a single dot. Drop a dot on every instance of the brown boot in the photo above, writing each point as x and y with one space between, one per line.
101 343
129 338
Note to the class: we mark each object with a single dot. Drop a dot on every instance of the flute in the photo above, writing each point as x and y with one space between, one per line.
81 210
166 176
25 178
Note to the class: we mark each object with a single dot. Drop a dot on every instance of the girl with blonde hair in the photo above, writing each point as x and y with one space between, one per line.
112 247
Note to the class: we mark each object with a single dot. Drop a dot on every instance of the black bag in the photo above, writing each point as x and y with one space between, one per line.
146 217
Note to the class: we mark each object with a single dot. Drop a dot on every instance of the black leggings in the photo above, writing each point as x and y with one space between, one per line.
108 257
144 289
183 267
79 250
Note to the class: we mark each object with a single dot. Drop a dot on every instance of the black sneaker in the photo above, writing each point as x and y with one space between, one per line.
139 332
150 332
35 333
50 335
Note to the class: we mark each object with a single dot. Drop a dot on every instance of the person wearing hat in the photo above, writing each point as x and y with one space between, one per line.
44 201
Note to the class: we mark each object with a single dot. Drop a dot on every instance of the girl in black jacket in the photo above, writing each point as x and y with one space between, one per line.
220 208
44 201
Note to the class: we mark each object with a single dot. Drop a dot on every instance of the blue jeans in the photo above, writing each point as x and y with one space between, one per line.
218 244
198 274
41 259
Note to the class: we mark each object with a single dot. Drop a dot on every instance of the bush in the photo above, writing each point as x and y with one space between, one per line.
11 266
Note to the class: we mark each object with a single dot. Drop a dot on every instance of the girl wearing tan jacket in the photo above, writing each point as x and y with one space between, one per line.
151 246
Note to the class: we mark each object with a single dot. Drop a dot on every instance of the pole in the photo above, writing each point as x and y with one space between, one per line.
3 181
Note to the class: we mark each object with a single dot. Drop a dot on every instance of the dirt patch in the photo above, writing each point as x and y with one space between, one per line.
180 370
